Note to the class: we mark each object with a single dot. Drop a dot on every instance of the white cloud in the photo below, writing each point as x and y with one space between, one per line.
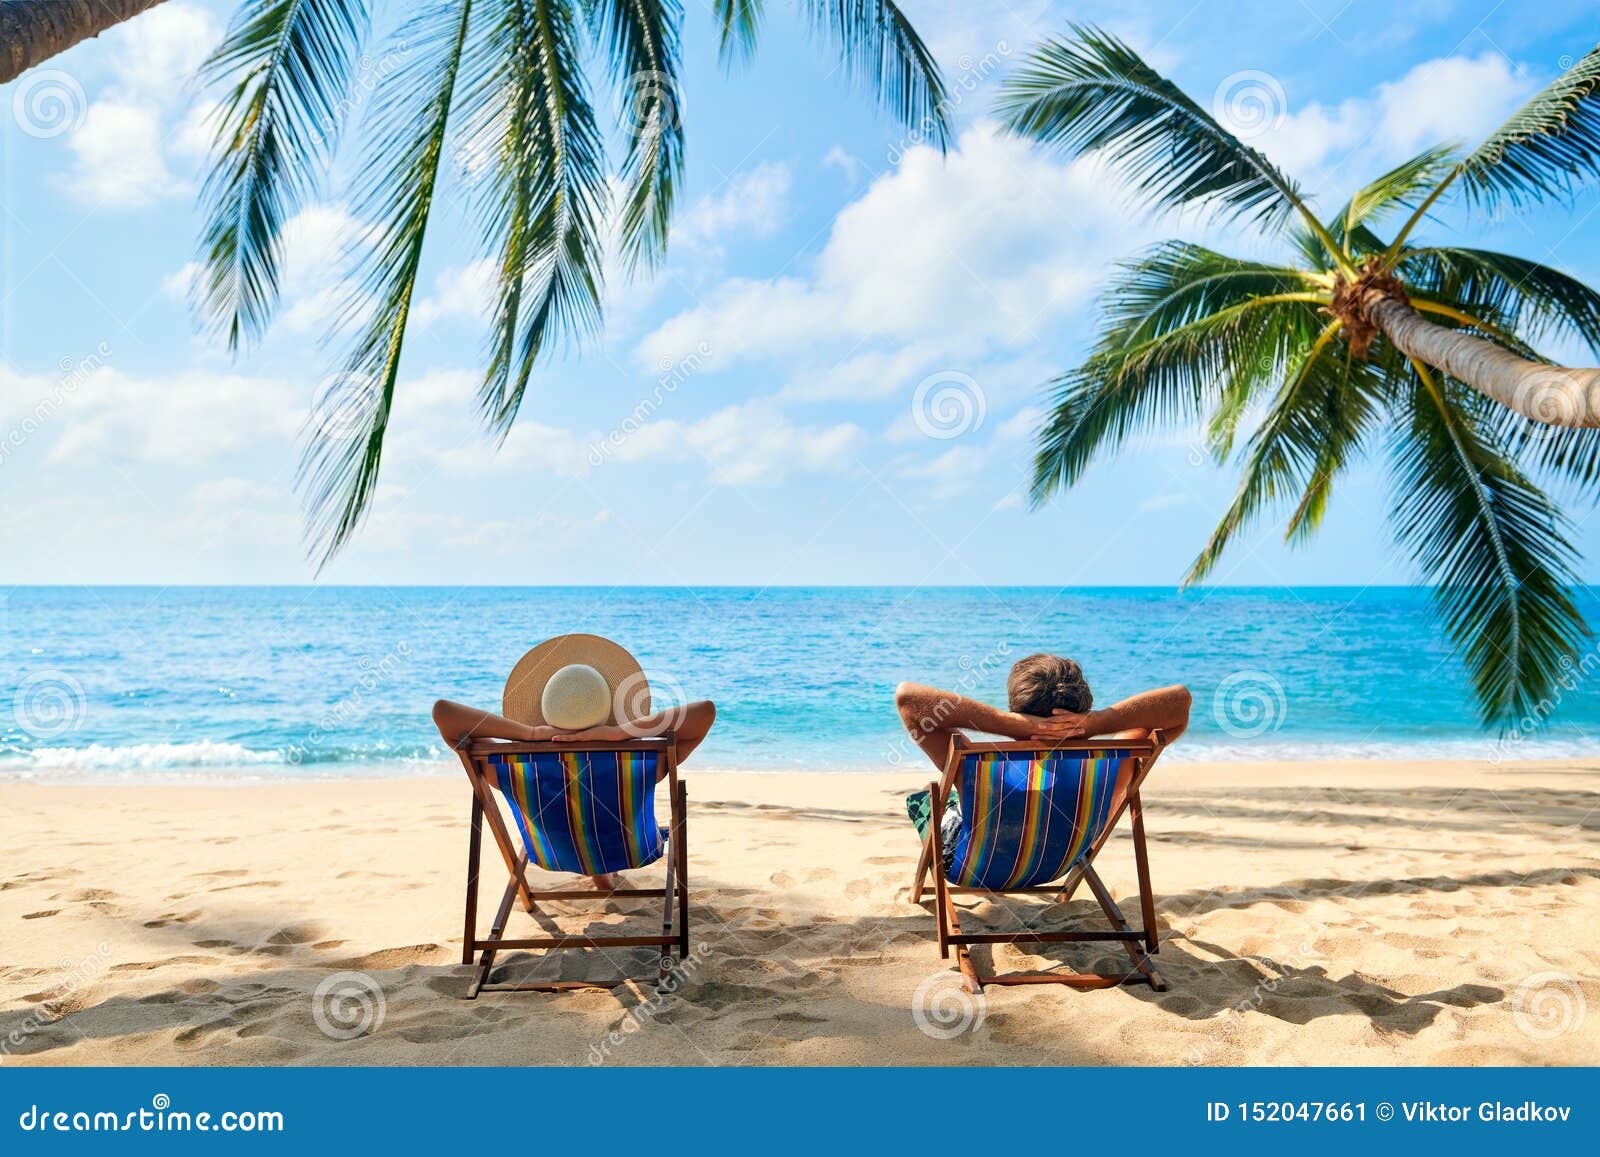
129 133
847 163
1454 98
967 253
754 202
119 162
179 285
186 417
233 493
156 55
748 444
952 472
873 374
1022 424
462 292
312 274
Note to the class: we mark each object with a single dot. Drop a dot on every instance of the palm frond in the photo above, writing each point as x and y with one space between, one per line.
1493 546
1175 282
1091 93
882 52
543 206
642 37
288 64
1316 425
344 445
1402 187
1351 413
1546 148
1569 455
1359 241
1164 380
739 22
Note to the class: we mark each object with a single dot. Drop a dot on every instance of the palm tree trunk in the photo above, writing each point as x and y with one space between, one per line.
32 31
1551 395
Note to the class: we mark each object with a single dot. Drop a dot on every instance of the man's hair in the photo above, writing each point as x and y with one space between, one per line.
1040 683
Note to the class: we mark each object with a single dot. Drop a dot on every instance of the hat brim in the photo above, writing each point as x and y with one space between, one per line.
630 691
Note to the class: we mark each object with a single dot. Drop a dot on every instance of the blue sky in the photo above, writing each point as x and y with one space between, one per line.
837 368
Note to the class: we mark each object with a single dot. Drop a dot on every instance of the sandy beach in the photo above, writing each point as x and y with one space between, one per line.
1311 913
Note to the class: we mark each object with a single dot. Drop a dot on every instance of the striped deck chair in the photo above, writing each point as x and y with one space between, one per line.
1032 821
588 809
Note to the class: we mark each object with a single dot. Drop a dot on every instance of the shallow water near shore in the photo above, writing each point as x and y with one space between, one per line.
268 682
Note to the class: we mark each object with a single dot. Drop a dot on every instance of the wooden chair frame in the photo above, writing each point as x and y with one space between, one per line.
674 896
948 923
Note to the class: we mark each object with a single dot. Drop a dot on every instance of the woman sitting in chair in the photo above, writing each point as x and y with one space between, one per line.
578 689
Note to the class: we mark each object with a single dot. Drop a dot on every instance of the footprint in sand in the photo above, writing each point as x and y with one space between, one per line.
151 965
174 918
86 895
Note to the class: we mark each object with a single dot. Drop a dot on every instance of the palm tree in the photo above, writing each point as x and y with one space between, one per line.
1350 341
32 31
500 83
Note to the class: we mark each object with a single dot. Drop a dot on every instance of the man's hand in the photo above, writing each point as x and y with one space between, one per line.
1062 724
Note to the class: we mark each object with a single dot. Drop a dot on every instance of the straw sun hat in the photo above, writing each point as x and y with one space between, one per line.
576 681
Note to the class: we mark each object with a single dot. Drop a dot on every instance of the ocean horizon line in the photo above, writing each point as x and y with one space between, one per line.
1169 588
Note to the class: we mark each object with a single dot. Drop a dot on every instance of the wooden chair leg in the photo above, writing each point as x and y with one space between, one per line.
970 980
941 886
919 881
1108 905
664 965
474 859
486 962
1141 859
483 795
682 852
1069 886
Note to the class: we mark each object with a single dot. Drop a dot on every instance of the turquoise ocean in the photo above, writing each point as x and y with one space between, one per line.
259 683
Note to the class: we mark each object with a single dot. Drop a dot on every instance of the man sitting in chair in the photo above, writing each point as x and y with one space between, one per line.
1049 702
